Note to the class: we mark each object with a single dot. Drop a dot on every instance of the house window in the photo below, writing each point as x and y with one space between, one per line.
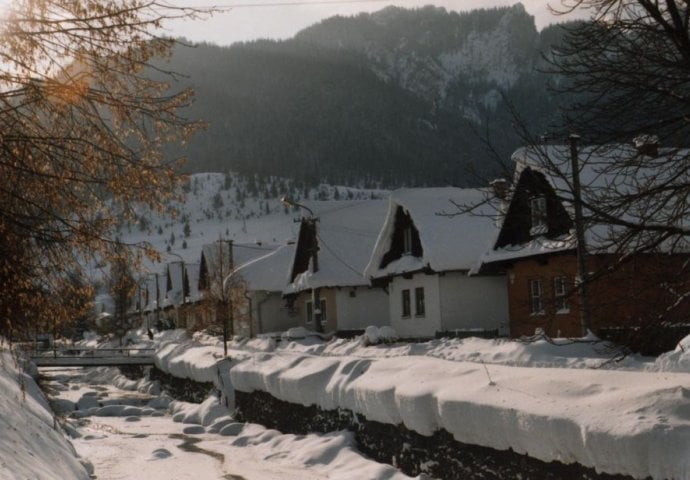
407 241
560 294
536 297
406 310
538 215
419 301
310 311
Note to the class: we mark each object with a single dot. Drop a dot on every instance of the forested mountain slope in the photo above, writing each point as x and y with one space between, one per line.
397 97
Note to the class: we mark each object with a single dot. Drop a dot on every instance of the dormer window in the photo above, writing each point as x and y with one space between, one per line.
407 241
537 206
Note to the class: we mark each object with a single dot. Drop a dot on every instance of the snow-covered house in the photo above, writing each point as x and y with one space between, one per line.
537 243
344 237
424 258
151 298
176 299
103 309
218 286
262 280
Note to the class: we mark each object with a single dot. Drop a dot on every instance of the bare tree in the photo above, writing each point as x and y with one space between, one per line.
122 286
223 288
82 129
630 68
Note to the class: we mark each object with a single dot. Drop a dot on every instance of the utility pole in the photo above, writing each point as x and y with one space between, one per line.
315 292
309 223
158 302
581 251
225 293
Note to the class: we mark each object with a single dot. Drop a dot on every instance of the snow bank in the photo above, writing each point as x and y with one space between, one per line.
205 413
188 360
31 444
634 423
333 455
676 361
629 417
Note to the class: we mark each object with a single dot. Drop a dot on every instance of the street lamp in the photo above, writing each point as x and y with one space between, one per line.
310 224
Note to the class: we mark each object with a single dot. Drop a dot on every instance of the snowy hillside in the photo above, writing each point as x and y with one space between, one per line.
247 210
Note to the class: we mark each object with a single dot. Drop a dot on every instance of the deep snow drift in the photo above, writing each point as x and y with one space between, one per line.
631 417
32 444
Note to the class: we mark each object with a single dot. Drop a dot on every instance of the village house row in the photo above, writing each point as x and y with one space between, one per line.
429 262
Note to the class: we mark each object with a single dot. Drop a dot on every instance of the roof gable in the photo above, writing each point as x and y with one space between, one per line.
404 239
603 182
455 225
517 227
346 232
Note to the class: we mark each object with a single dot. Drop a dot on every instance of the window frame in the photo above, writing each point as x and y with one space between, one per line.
406 303
407 240
309 311
561 294
536 296
538 209
419 302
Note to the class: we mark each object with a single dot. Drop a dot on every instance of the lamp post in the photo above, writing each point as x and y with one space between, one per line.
309 223
185 292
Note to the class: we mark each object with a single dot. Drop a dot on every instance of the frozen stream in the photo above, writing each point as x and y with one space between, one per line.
131 435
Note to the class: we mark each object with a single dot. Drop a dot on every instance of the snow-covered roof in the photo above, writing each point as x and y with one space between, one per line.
174 288
449 242
104 303
346 233
220 260
193 279
151 286
602 184
269 272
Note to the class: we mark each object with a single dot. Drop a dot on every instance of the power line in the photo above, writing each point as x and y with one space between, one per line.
290 4
321 242
252 247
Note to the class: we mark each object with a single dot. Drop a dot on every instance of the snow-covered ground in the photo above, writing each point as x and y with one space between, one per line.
553 399
128 434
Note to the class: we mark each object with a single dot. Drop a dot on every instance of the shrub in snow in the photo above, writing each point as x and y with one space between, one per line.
300 333
388 334
374 335
296 333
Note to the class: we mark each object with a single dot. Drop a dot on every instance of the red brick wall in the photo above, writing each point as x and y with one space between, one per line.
636 293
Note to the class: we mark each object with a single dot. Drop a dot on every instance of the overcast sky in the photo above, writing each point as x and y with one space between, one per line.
252 19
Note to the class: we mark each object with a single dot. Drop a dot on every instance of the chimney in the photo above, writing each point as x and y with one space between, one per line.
647 145
500 187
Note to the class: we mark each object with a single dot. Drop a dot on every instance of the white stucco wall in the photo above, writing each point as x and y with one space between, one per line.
269 313
368 306
415 326
473 302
